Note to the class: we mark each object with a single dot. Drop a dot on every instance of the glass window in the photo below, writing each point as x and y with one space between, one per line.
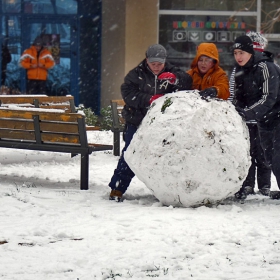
270 12
56 38
11 6
182 34
50 7
10 72
206 5
89 64
274 47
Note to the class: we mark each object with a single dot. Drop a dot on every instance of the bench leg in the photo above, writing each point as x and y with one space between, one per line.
84 172
116 145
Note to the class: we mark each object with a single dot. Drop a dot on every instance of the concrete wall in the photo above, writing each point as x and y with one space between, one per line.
141 30
112 49
128 28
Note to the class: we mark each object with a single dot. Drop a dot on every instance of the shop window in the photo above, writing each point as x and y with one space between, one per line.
182 34
50 7
206 5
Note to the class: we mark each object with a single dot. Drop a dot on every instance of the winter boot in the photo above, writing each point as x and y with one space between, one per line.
249 190
240 194
274 194
265 190
243 192
116 195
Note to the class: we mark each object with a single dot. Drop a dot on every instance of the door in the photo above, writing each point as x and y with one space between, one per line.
60 37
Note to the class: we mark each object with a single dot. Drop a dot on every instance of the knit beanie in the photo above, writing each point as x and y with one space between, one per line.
258 39
156 53
244 43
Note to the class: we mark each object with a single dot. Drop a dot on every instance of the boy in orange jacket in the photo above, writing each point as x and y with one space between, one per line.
37 60
208 77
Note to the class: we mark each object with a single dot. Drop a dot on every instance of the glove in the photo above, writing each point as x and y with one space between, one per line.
208 93
154 97
167 76
245 115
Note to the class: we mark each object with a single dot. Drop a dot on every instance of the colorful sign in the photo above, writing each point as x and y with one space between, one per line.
210 31
209 24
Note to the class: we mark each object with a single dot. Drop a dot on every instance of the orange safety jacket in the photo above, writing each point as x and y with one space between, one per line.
30 57
216 77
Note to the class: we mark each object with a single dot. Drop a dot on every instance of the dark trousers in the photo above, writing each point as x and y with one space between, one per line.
123 174
36 87
258 166
3 77
270 142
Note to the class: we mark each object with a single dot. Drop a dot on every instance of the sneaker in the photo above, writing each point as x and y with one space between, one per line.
274 194
265 190
116 195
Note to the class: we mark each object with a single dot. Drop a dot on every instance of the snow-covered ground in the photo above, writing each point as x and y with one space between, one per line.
50 229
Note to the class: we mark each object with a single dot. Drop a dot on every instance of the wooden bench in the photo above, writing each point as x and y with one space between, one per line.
65 103
118 124
45 130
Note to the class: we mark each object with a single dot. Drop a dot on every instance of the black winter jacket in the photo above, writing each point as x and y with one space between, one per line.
258 88
140 84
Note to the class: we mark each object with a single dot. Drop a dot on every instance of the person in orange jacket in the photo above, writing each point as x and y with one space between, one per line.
37 60
208 77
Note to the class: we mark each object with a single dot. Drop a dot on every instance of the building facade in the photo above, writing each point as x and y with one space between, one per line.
95 43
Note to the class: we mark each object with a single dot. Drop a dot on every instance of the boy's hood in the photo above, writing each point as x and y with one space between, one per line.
208 49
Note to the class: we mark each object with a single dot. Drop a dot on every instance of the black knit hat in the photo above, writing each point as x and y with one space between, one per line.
244 43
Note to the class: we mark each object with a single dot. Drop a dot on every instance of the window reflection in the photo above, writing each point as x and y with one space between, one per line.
11 6
50 7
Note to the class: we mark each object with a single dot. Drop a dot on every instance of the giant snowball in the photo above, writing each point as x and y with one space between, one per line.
189 151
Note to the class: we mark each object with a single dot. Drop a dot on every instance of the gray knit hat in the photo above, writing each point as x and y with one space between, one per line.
156 53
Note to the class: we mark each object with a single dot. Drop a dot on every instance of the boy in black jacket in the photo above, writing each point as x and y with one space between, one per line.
259 168
257 97
150 80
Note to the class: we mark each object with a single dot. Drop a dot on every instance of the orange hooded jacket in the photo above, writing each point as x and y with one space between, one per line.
216 77
30 57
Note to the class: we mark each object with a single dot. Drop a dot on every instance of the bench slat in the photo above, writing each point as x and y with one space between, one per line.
17 134
17 124
45 126
6 99
45 137
60 138
50 116
40 101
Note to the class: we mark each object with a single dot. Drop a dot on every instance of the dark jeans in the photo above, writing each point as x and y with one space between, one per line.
123 174
258 165
270 142
36 87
